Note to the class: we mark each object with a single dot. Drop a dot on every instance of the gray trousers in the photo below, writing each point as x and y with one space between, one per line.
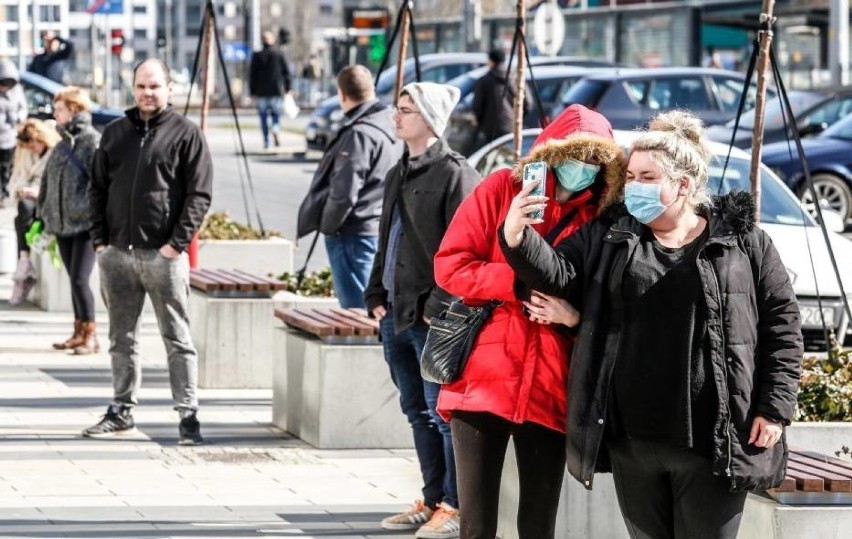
126 277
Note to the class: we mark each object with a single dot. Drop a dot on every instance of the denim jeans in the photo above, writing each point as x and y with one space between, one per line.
351 258
418 399
126 277
266 107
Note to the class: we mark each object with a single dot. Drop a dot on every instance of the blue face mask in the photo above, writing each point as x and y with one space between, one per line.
575 176
643 200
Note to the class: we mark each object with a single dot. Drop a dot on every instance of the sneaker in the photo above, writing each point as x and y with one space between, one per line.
444 523
189 431
117 421
414 518
276 140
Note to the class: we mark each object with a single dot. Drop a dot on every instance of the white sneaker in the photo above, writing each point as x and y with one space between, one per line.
414 518
444 524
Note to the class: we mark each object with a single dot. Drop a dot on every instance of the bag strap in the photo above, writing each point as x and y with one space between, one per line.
69 153
560 226
300 275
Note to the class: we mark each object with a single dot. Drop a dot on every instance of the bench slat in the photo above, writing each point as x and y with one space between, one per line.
827 465
298 320
806 482
833 482
202 283
787 485
223 284
275 284
360 318
241 284
359 327
257 284
339 329
821 457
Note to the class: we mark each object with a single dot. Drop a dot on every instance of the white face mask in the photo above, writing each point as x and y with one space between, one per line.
644 201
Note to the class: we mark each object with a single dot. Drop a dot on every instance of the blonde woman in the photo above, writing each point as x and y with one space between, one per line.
687 360
36 140
64 208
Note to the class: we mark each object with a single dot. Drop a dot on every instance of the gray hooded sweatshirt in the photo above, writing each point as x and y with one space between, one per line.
13 106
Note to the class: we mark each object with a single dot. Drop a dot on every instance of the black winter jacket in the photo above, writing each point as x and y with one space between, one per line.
754 333
345 196
493 103
152 182
431 192
269 75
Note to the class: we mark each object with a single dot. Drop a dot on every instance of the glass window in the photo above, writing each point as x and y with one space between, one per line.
841 129
12 39
39 102
688 93
503 156
140 33
773 118
829 113
637 90
140 9
728 95
49 13
11 13
586 92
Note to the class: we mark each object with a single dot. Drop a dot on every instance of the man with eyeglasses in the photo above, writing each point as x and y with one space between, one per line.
344 201
422 193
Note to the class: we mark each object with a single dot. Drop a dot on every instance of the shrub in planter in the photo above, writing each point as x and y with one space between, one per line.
315 284
825 390
219 226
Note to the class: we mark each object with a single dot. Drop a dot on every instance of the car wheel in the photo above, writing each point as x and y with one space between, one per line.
833 193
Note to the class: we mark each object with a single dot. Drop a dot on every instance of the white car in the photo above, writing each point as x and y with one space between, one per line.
796 235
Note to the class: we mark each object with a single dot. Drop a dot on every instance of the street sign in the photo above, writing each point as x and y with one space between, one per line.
235 51
105 7
548 29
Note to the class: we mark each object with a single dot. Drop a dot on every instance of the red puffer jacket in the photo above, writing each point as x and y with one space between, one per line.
518 369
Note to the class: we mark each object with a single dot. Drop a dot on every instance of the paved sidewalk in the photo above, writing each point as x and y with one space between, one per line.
250 480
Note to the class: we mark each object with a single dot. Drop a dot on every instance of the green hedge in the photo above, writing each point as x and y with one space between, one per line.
219 226
316 284
825 390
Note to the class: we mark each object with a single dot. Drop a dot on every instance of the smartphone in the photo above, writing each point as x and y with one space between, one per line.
536 171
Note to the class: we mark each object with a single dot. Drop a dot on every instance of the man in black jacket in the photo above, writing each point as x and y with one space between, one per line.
422 194
493 102
344 201
151 185
269 80
53 62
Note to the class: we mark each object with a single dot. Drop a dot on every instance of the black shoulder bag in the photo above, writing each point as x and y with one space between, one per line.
452 334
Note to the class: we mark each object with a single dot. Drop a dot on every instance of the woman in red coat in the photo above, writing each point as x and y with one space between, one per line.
514 383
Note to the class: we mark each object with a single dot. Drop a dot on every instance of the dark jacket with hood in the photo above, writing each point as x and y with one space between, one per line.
754 337
428 192
152 182
269 75
493 103
345 196
63 200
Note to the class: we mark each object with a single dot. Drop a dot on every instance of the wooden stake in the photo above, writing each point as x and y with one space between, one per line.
765 39
520 87
403 50
207 66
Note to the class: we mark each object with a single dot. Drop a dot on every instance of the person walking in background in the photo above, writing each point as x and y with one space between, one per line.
514 382
344 201
152 184
36 140
63 206
53 61
688 357
494 101
13 111
421 195
269 80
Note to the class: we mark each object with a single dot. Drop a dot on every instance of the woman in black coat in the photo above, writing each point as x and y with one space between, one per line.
687 361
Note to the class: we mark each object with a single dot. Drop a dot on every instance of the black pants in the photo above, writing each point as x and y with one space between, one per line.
23 222
667 492
480 441
6 160
79 259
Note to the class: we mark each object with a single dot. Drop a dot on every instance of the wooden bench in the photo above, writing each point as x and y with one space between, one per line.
333 325
815 479
221 283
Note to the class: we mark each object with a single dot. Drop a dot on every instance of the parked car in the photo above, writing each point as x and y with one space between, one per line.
829 158
40 91
552 82
796 235
440 67
814 112
631 97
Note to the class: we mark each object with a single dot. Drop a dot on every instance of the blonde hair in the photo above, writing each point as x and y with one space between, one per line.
76 99
38 131
675 142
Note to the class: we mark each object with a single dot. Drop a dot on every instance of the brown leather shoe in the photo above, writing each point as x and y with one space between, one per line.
90 340
74 340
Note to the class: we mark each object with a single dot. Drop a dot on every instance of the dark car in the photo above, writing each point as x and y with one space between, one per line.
631 97
40 91
552 81
829 158
813 110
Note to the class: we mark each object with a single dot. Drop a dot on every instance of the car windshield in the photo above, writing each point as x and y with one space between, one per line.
503 156
799 101
840 130
585 92
777 205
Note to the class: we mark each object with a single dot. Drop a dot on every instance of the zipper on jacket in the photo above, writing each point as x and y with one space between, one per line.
133 186
728 471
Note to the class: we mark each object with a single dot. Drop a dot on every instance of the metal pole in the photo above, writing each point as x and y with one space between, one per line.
838 42
206 49
168 34
35 24
107 62
22 62
255 25
765 39
403 50
521 78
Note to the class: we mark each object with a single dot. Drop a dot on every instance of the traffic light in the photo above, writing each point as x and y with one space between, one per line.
377 48
116 41
283 36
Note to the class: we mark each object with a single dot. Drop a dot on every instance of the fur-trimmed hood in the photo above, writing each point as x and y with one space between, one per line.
581 134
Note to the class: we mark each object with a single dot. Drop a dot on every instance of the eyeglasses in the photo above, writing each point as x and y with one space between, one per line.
404 111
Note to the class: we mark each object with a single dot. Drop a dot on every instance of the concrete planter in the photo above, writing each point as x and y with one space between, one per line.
233 337
336 396
271 256
824 437
289 300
